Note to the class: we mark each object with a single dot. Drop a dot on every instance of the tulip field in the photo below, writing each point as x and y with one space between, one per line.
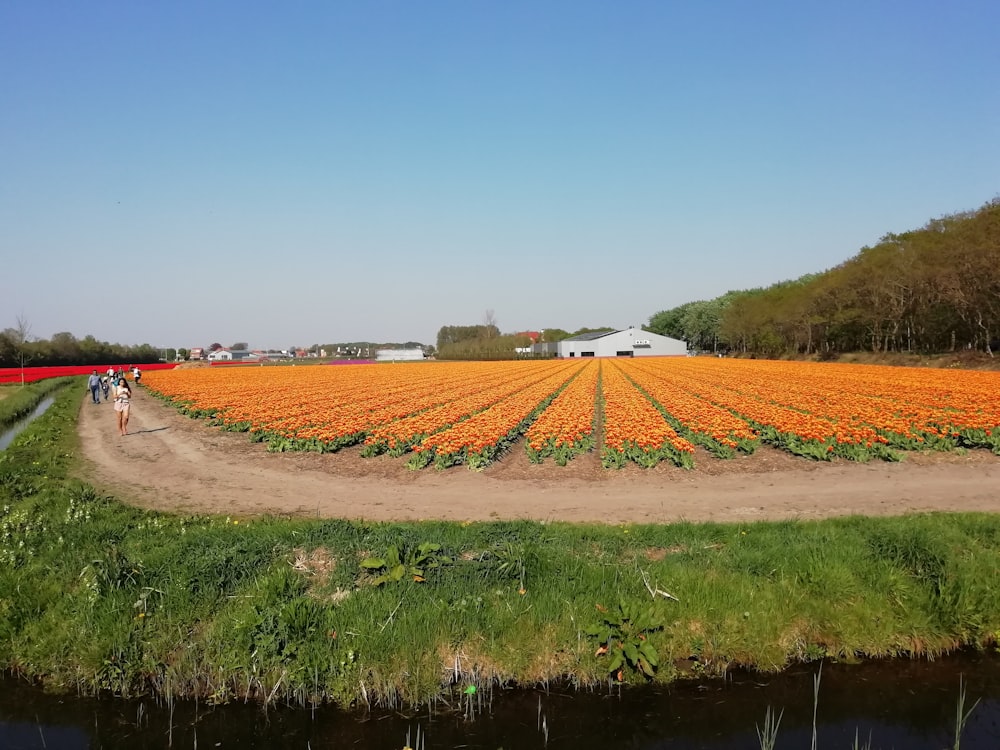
643 411
34 374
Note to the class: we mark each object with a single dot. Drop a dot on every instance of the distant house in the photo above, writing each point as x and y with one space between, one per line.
235 355
533 335
197 353
220 355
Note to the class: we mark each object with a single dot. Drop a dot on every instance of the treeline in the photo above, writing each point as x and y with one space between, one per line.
449 335
484 344
16 349
931 290
480 342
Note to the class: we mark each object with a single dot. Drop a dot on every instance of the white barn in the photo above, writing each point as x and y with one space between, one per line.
631 342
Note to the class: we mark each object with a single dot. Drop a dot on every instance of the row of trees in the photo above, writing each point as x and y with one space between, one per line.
18 348
934 289
485 341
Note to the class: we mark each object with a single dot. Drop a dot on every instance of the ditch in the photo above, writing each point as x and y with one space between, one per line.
883 704
8 434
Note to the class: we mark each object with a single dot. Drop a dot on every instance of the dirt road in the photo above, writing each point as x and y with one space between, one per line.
174 463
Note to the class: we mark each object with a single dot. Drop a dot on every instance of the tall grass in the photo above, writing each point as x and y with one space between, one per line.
99 596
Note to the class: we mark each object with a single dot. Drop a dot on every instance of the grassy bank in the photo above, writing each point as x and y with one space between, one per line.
17 401
96 595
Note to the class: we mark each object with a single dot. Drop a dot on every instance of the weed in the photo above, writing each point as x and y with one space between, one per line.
623 634
398 563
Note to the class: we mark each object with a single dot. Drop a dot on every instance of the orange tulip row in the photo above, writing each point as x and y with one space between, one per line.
701 417
472 398
567 426
285 399
849 405
899 403
633 428
456 411
477 439
333 405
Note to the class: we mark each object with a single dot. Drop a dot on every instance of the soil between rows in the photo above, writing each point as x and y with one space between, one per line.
173 463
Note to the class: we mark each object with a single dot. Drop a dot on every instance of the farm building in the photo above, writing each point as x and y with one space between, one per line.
632 342
399 355
233 355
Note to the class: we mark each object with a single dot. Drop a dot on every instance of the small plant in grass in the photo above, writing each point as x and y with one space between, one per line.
623 635
399 563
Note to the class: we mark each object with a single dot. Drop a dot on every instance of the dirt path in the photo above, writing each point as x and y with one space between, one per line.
174 463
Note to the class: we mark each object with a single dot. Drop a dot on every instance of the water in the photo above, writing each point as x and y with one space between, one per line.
8 435
902 705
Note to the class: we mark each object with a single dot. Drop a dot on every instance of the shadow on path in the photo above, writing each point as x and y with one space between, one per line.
151 429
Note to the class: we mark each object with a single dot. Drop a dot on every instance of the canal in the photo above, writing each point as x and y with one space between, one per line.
907 705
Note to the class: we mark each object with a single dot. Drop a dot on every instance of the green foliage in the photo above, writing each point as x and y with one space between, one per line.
20 402
66 349
397 563
623 635
930 290
613 458
562 453
450 335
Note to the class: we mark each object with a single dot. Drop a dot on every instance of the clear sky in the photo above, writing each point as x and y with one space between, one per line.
182 173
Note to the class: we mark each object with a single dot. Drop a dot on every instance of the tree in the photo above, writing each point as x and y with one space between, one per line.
65 348
215 347
581 331
455 334
183 354
490 324
668 322
550 335
930 289
22 334
240 345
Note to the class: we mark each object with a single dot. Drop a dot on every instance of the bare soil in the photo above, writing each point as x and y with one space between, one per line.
174 463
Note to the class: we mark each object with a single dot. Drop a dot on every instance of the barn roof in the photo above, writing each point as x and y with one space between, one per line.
590 336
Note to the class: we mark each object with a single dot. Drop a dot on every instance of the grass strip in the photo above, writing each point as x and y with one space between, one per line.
19 401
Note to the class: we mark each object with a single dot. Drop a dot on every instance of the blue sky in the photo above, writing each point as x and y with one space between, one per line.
296 173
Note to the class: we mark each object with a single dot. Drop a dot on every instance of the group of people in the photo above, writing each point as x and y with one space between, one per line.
114 386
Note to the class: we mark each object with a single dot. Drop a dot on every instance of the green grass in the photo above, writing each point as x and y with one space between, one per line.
18 401
99 596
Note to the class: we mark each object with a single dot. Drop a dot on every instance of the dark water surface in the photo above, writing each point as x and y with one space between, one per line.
7 435
906 705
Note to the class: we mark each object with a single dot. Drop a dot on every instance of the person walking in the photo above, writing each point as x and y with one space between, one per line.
105 386
94 384
123 402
